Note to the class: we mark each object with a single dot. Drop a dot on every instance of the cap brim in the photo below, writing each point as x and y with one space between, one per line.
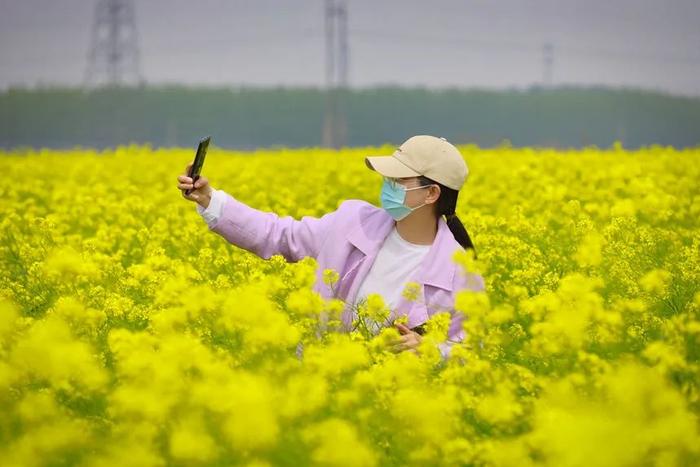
389 166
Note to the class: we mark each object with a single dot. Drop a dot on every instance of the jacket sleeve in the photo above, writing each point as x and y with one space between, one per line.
455 333
267 234
213 211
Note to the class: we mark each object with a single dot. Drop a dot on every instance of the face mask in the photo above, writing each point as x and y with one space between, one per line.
392 198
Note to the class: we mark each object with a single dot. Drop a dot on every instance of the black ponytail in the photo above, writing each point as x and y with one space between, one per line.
446 204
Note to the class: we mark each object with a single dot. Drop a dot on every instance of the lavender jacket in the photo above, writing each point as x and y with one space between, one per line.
347 240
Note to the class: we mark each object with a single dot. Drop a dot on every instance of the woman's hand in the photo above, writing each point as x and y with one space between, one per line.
202 190
409 340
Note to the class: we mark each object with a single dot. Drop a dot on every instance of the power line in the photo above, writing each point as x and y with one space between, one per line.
462 43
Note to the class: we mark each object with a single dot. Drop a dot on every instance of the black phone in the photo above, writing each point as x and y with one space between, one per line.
196 168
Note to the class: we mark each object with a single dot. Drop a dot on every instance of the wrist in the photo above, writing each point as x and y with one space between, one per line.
204 201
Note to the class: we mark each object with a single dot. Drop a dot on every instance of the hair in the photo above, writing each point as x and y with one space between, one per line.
446 205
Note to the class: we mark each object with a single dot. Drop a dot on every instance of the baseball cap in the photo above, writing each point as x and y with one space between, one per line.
431 156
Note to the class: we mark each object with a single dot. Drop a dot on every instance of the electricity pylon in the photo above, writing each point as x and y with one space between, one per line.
113 58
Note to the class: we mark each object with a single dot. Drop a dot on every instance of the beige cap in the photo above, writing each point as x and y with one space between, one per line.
427 155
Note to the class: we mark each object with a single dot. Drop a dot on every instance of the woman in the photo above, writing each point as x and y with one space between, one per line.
373 249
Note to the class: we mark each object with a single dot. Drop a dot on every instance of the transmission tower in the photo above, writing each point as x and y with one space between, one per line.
547 64
113 58
336 28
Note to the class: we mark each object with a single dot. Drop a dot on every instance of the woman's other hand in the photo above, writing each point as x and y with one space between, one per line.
409 340
202 190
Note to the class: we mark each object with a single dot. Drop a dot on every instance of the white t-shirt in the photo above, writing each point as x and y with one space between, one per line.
396 261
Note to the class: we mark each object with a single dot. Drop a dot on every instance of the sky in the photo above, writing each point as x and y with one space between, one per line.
488 44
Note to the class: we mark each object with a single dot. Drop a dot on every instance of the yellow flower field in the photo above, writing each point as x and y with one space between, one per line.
132 335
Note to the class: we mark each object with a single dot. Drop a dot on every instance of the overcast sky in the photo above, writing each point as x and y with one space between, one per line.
467 43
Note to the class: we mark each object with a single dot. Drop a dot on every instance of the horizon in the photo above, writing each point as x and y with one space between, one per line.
301 87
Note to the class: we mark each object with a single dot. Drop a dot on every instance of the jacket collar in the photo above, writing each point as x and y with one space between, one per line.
437 268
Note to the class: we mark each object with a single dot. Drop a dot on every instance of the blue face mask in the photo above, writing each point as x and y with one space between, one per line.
392 199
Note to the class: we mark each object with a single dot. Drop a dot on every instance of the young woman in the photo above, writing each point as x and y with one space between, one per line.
373 249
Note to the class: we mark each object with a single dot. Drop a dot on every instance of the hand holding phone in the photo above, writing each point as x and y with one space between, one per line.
193 186
196 168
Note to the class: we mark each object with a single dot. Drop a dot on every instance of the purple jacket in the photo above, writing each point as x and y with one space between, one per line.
347 240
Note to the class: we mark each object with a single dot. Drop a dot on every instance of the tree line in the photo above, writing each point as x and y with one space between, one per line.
250 117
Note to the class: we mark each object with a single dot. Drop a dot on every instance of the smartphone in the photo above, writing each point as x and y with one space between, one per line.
196 168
